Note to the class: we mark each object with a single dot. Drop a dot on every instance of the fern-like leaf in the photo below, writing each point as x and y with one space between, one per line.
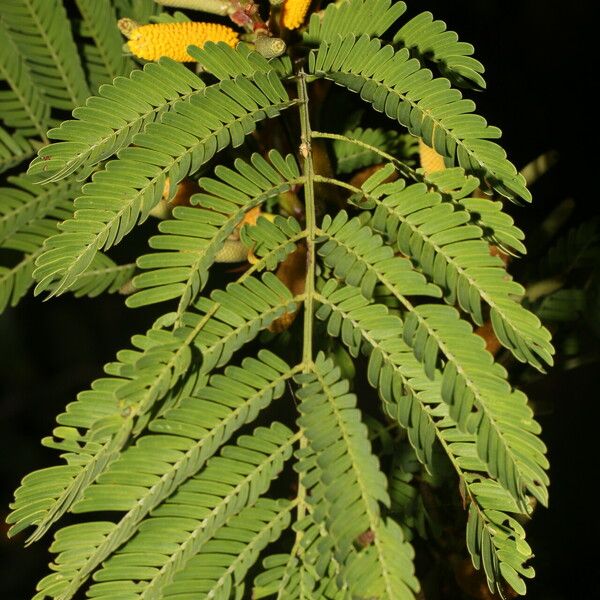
109 121
190 242
21 106
29 215
26 201
272 242
434 112
16 277
344 461
506 430
235 549
364 260
253 463
498 227
103 276
43 34
471 379
179 145
453 185
416 402
450 251
161 462
103 59
137 381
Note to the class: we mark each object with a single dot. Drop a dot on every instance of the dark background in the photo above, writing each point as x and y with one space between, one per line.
537 70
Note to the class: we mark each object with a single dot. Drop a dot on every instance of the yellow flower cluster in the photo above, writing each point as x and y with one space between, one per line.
294 13
431 161
150 42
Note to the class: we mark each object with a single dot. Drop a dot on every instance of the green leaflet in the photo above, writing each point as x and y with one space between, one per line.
342 460
110 120
470 380
235 548
363 259
96 427
29 215
254 461
103 276
226 63
16 277
26 201
309 571
452 183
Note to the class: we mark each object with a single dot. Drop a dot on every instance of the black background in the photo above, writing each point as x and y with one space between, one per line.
537 69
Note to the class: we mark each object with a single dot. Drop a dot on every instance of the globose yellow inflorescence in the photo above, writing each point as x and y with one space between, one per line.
294 13
150 42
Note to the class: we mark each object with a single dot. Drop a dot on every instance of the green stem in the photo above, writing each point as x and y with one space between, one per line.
215 7
309 202
309 287
401 166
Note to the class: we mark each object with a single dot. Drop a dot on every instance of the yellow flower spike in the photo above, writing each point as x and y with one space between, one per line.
294 13
431 161
150 42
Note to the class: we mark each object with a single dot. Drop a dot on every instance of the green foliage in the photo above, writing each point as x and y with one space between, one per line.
370 17
189 138
432 43
13 150
187 477
449 250
433 111
194 236
42 33
109 121
340 459
22 107
103 58
350 157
